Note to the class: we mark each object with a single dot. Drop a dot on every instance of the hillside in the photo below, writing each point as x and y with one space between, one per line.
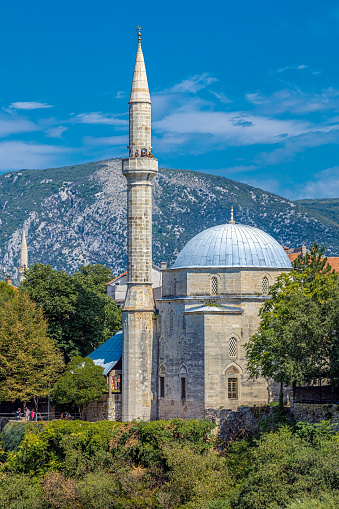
327 207
76 215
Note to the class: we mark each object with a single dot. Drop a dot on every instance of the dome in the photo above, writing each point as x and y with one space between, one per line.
233 245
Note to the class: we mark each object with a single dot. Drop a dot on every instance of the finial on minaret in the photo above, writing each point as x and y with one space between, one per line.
231 220
139 34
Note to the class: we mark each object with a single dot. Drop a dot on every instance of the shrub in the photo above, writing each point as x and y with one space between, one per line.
19 492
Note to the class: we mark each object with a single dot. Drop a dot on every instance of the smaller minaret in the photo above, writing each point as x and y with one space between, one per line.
23 257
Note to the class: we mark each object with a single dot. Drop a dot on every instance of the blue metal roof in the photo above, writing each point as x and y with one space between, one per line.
233 245
108 354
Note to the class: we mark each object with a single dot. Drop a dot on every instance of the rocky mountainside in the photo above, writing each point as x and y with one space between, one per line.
326 207
77 214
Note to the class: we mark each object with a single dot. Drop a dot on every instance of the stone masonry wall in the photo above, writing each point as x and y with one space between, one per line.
315 413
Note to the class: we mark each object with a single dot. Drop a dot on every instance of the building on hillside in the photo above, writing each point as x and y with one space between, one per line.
23 257
117 288
183 354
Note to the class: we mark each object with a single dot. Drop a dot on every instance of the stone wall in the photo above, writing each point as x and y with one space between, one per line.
315 413
233 424
105 408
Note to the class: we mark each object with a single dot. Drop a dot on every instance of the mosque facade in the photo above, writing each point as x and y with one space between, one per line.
185 352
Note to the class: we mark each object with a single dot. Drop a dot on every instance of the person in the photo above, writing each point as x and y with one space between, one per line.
137 153
18 413
27 412
68 416
61 416
32 415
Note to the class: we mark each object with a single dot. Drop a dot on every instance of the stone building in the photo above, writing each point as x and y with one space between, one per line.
183 354
117 288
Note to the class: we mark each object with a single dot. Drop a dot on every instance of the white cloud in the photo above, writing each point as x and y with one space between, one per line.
100 118
295 101
192 85
222 97
56 132
325 184
14 125
106 141
16 155
29 105
120 94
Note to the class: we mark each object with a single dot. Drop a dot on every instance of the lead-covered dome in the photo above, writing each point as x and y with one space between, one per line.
233 245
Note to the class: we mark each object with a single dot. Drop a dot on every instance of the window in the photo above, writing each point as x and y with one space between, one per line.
183 388
214 286
183 348
171 320
162 349
264 285
232 347
162 387
232 386
116 383
174 287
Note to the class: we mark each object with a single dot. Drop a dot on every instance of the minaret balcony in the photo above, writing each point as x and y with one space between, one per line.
146 167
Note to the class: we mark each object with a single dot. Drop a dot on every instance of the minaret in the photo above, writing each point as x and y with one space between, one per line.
23 257
139 170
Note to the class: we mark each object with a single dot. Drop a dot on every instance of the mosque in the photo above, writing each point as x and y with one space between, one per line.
183 353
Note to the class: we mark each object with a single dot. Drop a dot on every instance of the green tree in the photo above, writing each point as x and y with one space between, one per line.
295 341
7 292
80 315
29 360
82 383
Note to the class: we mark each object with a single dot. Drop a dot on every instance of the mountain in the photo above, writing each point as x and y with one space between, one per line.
77 214
326 207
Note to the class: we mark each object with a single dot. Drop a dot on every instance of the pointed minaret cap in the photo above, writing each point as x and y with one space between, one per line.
24 251
231 220
139 91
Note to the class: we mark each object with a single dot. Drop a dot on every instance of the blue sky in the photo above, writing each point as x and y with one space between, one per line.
247 90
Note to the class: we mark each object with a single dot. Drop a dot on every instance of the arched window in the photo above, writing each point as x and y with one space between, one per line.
162 374
214 286
171 320
183 381
174 287
264 285
232 347
162 348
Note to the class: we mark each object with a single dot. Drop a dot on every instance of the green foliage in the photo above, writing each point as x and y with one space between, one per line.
286 467
82 383
7 292
80 315
12 435
20 492
29 361
297 341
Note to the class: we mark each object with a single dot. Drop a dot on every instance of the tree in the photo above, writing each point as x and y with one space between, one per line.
295 340
80 315
7 292
82 383
29 360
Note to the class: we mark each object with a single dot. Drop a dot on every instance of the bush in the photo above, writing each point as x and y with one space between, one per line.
12 435
19 492
287 467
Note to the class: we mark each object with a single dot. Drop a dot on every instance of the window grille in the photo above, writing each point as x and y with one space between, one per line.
214 286
183 388
232 388
265 285
162 349
232 347
162 387
183 348
171 320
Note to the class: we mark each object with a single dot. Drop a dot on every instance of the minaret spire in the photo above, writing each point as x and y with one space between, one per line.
232 219
23 257
139 391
